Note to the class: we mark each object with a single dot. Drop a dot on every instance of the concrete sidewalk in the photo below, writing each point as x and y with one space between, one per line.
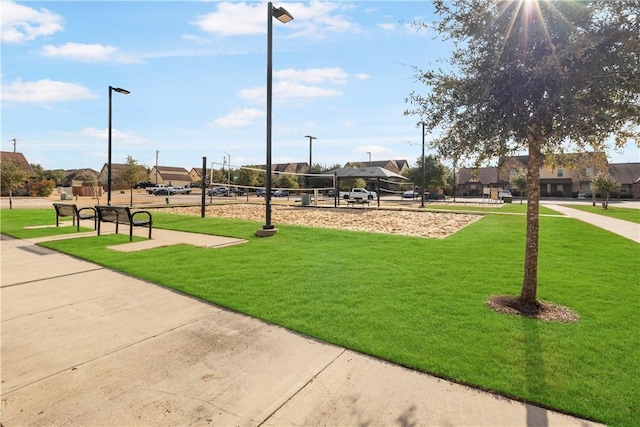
84 345
627 229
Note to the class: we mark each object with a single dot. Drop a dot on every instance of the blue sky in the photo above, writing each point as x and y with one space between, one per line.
197 76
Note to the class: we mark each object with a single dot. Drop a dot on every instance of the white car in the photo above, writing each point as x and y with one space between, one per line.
504 193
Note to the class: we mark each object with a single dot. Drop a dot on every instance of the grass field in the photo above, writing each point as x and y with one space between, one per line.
510 208
627 214
421 302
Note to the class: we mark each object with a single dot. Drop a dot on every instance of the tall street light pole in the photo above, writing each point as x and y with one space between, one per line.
228 175
369 153
423 180
283 16
157 166
311 138
124 92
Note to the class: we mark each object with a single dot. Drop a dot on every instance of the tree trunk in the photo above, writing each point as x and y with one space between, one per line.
10 199
529 290
131 196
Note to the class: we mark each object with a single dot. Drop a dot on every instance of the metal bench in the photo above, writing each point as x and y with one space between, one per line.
124 215
65 210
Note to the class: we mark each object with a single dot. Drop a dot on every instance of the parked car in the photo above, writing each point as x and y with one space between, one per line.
238 192
410 194
504 193
331 193
217 191
281 193
261 192
169 191
182 190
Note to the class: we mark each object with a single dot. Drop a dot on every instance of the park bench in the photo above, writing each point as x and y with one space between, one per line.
123 215
65 210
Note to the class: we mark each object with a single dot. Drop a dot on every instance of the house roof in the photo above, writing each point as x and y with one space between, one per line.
393 165
171 169
484 175
366 172
625 173
18 158
174 176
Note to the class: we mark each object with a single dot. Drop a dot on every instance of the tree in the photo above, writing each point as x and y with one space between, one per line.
248 177
604 183
434 173
43 187
12 177
92 178
131 173
519 180
540 75
287 181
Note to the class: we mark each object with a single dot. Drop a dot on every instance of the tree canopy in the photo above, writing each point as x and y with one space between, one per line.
548 76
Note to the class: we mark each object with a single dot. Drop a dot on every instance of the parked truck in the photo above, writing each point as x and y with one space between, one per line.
152 189
358 195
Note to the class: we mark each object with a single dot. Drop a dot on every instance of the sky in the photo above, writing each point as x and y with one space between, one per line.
196 72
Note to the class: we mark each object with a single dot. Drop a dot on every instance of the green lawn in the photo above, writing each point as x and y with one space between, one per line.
627 214
490 208
421 302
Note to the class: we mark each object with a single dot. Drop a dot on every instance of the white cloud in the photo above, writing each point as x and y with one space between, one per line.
116 135
373 149
307 83
388 27
44 91
238 118
87 53
313 20
287 89
233 19
362 76
21 23
313 75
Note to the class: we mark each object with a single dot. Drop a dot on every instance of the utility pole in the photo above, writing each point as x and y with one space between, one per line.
157 166
369 153
15 142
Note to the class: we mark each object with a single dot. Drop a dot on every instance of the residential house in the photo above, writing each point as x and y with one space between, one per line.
169 175
474 181
115 171
21 161
571 175
628 176
83 182
396 166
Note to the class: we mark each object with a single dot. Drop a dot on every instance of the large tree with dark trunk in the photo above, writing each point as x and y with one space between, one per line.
545 76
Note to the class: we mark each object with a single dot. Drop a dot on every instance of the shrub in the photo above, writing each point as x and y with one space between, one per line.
43 188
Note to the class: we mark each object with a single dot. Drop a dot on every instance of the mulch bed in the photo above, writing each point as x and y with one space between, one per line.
542 310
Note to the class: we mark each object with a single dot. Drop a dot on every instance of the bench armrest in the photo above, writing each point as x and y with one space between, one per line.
145 213
87 209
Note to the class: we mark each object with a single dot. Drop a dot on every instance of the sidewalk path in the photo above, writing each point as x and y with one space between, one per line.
628 229
85 345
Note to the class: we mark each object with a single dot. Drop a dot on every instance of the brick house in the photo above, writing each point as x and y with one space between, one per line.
570 175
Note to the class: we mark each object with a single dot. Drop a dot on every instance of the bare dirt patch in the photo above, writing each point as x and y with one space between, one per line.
408 223
541 310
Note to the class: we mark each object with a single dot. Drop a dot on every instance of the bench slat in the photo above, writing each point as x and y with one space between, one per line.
124 215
